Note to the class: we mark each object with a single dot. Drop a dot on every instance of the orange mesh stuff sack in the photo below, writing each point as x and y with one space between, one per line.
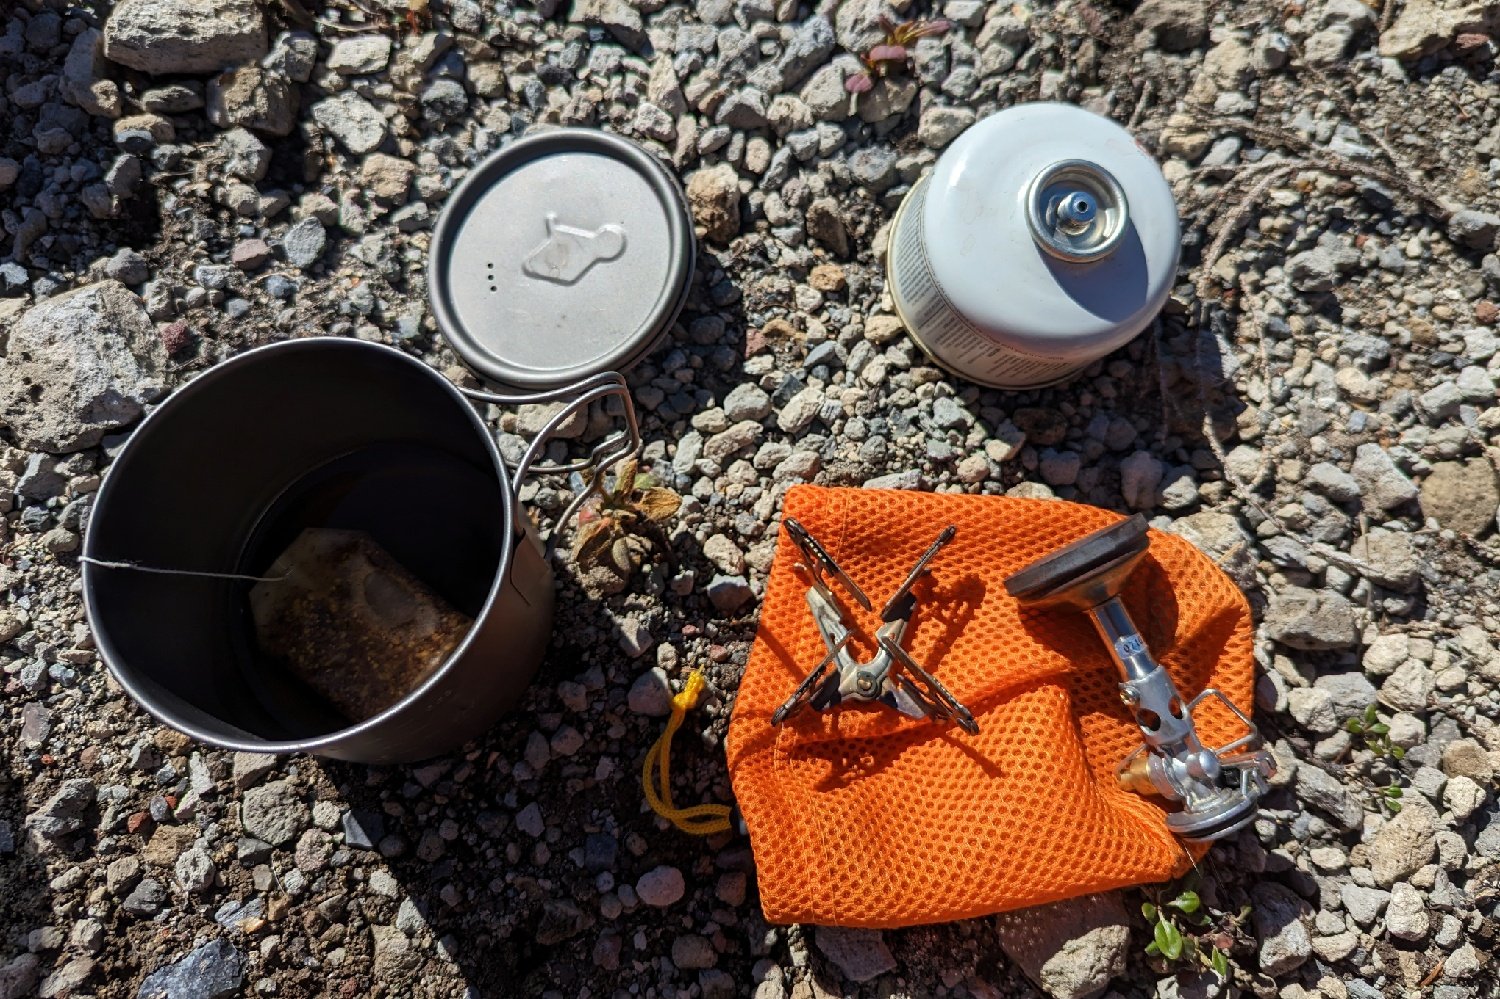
860 816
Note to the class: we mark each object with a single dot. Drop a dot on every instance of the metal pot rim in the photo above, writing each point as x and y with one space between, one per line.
314 745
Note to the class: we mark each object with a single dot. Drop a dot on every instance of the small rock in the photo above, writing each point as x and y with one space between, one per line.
651 694
1383 486
248 768
1409 688
64 812
254 98
1311 619
359 55
1325 792
1461 495
691 952
274 813
1425 26
529 820
1404 844
825 223
714 195
195 870
661 886
127 267
940 125
211 971
1463 796
1467 758
1364 905
860 955
166 37
729 593
352 120
1279 918
1313 709
1140 476
304 243
387 178
250 254
67 979
1172 25
1390 557
617 17
1073 948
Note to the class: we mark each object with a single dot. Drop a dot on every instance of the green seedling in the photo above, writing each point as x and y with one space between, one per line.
1390 797
1375 734
1206 939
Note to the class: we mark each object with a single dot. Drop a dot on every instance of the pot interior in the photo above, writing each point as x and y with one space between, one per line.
314 433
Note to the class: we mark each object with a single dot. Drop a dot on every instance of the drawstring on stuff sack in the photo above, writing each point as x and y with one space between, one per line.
698 820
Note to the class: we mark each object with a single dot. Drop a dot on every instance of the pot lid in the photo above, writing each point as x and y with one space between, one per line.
565 254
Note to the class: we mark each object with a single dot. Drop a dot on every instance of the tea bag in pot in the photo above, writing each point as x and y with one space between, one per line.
351 622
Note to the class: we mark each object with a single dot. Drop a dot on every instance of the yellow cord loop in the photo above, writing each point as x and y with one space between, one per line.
699 820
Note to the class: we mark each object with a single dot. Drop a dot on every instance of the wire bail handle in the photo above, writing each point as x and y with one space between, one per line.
578 396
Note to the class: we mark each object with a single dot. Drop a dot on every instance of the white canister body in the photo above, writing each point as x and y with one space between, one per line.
983 269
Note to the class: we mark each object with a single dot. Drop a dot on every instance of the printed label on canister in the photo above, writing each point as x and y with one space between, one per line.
940 329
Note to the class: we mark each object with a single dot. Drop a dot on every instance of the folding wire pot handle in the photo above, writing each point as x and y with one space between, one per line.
604 455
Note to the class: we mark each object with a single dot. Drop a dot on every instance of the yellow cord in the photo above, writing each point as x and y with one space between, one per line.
699 820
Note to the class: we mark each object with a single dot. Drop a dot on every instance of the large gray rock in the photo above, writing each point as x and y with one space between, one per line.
1311 619
1280 919
1461 495
1405 844
352 120
78 366
1073 948
1424 26
185 36
210 971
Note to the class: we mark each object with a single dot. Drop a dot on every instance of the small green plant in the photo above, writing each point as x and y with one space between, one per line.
1207 939
1375 733
1390 797
894 50
621 527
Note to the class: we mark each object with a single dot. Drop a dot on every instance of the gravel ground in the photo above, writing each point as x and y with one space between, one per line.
1316 409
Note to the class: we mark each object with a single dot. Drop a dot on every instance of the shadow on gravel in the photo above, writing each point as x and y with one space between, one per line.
24 891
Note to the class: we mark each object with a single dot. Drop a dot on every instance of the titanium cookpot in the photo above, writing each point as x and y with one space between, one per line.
346 434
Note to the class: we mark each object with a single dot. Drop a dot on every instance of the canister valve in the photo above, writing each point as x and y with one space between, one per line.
1218 789
1076 211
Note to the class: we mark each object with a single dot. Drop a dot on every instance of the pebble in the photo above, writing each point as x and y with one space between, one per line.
194 870
210 971
651 694
304 243
691 952
274 813
1405 843
728 593
860 955
1383 486
360 54
661 886
352 120
1278 917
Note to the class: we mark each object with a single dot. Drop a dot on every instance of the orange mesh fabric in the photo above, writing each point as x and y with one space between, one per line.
859 816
